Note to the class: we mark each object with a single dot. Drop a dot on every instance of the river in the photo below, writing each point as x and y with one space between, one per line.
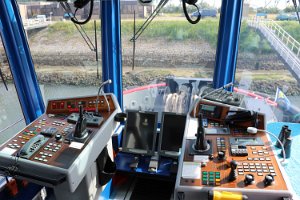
11 112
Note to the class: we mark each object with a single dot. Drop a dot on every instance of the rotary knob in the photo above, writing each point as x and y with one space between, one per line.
221 155
269 180
58 136
249 179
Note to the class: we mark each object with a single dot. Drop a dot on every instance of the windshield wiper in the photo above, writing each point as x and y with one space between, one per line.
3 80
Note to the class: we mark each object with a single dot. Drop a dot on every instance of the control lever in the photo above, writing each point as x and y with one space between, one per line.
80 128
233 172
201 143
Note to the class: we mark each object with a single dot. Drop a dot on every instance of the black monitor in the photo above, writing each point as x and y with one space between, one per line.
140 131
171 134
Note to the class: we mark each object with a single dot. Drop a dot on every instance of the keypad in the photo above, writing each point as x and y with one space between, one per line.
259 168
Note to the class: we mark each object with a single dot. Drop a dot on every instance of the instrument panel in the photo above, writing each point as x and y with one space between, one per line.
238 162
50 146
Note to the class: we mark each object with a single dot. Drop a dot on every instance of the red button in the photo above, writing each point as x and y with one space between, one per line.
53 105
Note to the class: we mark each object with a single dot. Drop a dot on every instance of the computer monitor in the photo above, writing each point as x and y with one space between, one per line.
171 134
139 136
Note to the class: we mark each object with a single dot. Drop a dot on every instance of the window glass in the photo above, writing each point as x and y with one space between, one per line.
64 57
170 51
269 61
11 118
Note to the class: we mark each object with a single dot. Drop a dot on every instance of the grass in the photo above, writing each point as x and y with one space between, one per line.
179 29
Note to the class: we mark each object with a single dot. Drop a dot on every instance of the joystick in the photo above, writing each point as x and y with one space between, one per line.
233 172
80 128
201 143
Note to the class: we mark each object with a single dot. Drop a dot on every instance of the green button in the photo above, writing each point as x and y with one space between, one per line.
217 176
211 173
204 179
205 176
211 179
218 173
204 173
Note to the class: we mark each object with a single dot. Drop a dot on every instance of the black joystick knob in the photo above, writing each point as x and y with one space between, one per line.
269 180
80 128
236 99
58 136
201 142
249 179
233 171
221 155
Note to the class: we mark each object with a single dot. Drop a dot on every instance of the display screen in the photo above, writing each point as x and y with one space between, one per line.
140 132
172 132
208 108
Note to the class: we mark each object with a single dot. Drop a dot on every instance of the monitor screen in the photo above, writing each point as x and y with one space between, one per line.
139 136
171 134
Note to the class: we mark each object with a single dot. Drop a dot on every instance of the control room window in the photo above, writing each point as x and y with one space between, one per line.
170 47
268 59
11 118
64 62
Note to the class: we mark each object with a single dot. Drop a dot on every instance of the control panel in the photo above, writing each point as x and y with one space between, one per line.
233 161
223 96
55 144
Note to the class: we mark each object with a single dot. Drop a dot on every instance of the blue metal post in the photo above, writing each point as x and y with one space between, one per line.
111 47
228 37
20 61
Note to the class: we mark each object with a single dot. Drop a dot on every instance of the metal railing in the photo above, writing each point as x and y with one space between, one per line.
287 47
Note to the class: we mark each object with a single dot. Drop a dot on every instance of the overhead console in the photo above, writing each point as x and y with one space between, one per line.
60 147
221 160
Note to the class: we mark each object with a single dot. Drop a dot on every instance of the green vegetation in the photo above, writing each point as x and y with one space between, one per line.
180 30
251 41
292 27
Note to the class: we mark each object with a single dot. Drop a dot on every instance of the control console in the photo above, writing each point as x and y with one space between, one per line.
239 164
61 145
